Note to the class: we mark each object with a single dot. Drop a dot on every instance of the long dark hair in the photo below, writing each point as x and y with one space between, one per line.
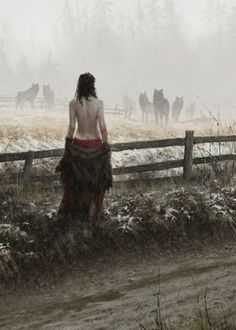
85 87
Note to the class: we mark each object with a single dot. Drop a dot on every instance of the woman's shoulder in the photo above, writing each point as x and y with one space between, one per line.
96 101
73 102
99 102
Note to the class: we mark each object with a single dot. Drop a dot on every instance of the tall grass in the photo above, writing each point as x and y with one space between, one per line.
32 233
202 317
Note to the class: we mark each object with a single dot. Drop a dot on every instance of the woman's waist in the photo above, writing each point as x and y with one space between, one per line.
89 143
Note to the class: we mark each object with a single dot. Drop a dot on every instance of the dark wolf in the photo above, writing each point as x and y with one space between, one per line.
161 107
28 95
146 106
177 107
49 96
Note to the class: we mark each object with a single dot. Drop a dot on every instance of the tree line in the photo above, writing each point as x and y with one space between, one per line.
140 49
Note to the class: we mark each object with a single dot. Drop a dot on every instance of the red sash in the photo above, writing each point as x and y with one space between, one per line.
88 143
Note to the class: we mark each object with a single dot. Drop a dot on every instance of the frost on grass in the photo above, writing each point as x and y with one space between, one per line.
181 212
31 236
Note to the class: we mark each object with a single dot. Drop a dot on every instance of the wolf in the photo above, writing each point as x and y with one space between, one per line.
49 96
146 106
28 95
161 107
177 107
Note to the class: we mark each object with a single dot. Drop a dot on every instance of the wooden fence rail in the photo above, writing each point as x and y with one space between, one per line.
7 101
187 163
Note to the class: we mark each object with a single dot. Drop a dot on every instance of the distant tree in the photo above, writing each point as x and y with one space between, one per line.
24 73
86 16
48 70
173 37
174 49
140 11
77 12
68 21
33 48
231 25
214 40
7 81
102 13
142 22
214 17
102 31
229 48
6 74
210 52
171 21
154 14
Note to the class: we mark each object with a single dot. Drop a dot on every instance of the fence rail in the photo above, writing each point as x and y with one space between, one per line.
10 102
186 163
7 101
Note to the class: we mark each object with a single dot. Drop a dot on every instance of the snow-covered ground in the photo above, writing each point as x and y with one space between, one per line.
40 130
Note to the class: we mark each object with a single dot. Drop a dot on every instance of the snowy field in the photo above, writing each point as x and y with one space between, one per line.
28 129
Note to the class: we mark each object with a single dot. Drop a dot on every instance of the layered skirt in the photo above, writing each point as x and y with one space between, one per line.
86 174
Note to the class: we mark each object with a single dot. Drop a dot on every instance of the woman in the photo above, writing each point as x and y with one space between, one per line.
85 168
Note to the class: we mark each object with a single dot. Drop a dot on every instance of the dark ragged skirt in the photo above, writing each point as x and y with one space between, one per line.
86 175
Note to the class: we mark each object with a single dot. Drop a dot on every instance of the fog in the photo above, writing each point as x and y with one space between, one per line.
185 47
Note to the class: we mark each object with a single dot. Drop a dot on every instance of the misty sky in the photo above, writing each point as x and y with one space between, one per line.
134 48
39 17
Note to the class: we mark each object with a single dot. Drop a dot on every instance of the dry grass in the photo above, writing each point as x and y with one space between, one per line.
203 317
133 218
30 130
32 235
44 125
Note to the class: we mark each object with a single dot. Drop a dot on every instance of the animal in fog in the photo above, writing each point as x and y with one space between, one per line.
146 106
49 96
190 110
177 107
161 107
129 106
28 95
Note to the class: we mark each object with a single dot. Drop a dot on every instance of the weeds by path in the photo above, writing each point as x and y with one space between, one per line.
32 237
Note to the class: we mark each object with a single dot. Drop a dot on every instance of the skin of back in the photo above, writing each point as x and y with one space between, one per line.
86 120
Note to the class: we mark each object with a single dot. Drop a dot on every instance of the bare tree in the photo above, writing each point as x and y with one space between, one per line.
24 73
68 21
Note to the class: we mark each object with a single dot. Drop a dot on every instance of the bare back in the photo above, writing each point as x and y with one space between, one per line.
89 116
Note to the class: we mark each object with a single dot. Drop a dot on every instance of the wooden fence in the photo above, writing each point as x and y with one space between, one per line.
7 101
187 163
62 104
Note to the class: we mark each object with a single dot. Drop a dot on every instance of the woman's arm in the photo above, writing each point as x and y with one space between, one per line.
72 120
102 123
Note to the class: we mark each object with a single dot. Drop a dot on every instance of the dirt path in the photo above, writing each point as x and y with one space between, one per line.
117 296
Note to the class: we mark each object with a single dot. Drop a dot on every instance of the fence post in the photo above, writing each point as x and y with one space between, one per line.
26 175
188 154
